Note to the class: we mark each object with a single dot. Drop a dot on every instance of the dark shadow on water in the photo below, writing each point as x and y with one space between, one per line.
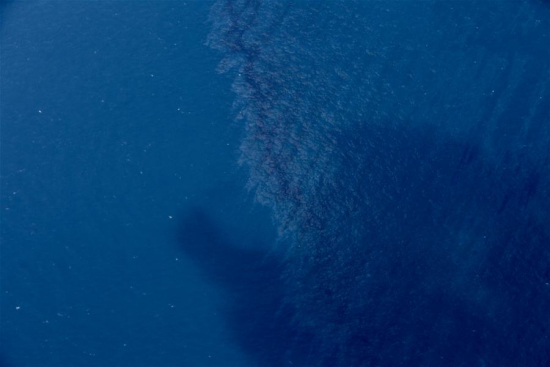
480 322
260 322
4 362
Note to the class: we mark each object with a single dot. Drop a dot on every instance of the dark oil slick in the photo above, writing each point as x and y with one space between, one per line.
404 149
401 148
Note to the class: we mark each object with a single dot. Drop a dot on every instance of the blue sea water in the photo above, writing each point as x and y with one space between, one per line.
115 126
275 183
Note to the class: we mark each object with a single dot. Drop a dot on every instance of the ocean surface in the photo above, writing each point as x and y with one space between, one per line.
275 183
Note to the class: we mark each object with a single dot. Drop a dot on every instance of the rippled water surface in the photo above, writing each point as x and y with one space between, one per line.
275 183
404 150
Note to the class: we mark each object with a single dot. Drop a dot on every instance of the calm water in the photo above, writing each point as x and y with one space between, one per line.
275 183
